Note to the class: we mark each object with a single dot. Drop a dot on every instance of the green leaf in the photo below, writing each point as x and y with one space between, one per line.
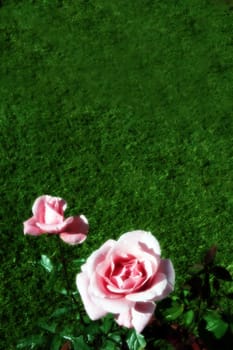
107 324
61 311
50 327
116 337
46 263
136 341
63 291
56 342
33 341
215 324
79 343
92 329
110 345
78 261
86 320
188 317
173 312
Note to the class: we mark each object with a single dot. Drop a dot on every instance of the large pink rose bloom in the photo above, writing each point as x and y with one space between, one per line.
125 278
48 217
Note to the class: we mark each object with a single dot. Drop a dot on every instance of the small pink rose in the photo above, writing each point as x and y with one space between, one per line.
125 278
48 217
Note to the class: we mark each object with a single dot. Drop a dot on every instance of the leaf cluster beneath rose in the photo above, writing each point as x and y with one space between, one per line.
124 277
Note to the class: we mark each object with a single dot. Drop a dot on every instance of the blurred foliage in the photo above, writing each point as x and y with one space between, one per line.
195 317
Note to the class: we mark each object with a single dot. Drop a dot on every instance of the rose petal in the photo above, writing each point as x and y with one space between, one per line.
124 319
111 305
71 225
99 295
161 286
58 203
39 207
52 229
136 275
76 224
98 256
141 315
31 228
128 278
166 267
73 238
136 242
52 216
93 310
155 292
138 316
75 230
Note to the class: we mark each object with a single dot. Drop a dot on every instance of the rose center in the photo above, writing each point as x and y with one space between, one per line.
127 274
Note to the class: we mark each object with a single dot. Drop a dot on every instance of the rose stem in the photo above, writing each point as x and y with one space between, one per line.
65 273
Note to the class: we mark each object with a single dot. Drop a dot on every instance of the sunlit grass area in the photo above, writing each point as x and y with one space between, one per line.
125 110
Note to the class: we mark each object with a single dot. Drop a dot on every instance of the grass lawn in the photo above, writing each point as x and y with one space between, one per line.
125 109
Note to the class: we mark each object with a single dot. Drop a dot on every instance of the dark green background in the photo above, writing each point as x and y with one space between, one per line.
123 108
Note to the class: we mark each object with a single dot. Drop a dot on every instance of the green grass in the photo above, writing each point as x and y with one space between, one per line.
125 110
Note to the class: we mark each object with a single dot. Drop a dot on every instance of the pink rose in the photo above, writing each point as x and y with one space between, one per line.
125 278
48 217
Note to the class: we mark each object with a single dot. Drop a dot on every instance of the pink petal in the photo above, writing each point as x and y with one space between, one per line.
138 243
138 237
137 317
161 285
75 230
96 283
76 224
31 228
155 292
141 315
109 304
59 204
98 256
127 280
42 203
52 228
38 208
52 216
166 267
124 319
72 225
73 238
93 310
